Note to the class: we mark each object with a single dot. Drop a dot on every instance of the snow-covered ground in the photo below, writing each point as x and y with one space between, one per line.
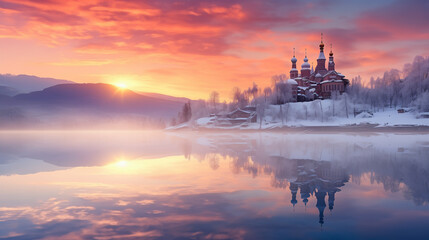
309 114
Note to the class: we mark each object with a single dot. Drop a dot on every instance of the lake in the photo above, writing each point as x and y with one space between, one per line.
213 185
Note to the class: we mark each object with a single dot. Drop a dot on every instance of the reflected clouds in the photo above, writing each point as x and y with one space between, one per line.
216 186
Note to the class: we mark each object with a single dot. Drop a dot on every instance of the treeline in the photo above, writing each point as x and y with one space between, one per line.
403 89
406 88
279 93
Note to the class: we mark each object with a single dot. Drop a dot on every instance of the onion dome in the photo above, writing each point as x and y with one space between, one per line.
322 45
305 65
293 59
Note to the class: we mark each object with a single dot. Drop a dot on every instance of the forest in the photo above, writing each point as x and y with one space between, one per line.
406 88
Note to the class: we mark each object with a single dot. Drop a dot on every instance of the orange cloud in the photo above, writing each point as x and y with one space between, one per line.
190 48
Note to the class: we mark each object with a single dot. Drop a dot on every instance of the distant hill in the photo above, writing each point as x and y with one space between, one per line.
98 98
26 83
165 97
8 91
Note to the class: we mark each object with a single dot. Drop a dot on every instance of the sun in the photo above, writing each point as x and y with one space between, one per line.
121 85
121 163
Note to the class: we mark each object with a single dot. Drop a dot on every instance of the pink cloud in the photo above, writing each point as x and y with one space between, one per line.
402 19
233 42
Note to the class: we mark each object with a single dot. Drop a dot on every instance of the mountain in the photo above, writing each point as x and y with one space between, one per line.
8 91
25 83
165 97
98 98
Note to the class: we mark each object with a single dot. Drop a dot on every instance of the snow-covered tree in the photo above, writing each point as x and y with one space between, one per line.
253 92
214 101
240 99
186 113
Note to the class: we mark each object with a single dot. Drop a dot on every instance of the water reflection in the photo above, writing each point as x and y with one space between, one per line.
319 179
213 186
391 160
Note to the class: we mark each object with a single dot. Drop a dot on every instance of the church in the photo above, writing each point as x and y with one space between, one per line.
319 83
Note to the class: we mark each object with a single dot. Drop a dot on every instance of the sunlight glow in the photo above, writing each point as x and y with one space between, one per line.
121 163
121 85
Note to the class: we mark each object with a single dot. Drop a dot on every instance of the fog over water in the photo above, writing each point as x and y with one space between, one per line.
213 185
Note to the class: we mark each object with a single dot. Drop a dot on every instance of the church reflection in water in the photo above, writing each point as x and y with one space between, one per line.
305 178
316 168
214 186
319 179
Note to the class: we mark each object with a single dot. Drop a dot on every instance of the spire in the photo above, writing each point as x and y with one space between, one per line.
293 71
321 204
331 65
305 66
293 59
293 189
320 68
331 200
322 45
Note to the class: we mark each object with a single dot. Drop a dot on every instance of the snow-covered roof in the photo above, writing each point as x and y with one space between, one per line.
331 81
293 59
240 110
318 75
291 81
321 55
332 71
294 69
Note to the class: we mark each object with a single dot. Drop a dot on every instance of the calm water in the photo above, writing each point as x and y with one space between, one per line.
154 185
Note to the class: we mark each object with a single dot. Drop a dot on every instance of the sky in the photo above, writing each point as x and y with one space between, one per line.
190 48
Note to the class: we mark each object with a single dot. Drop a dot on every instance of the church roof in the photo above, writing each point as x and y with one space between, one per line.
331 81
330 72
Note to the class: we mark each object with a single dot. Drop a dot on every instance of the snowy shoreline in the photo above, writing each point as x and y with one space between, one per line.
364 128
385 121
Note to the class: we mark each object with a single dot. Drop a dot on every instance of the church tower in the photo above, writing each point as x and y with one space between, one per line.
293 189
293 71
331 199
321 205
305 67
331 64
320 68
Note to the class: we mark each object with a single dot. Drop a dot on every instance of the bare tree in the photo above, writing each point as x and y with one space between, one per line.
261 104
214 100
253 92
240 99
267 93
